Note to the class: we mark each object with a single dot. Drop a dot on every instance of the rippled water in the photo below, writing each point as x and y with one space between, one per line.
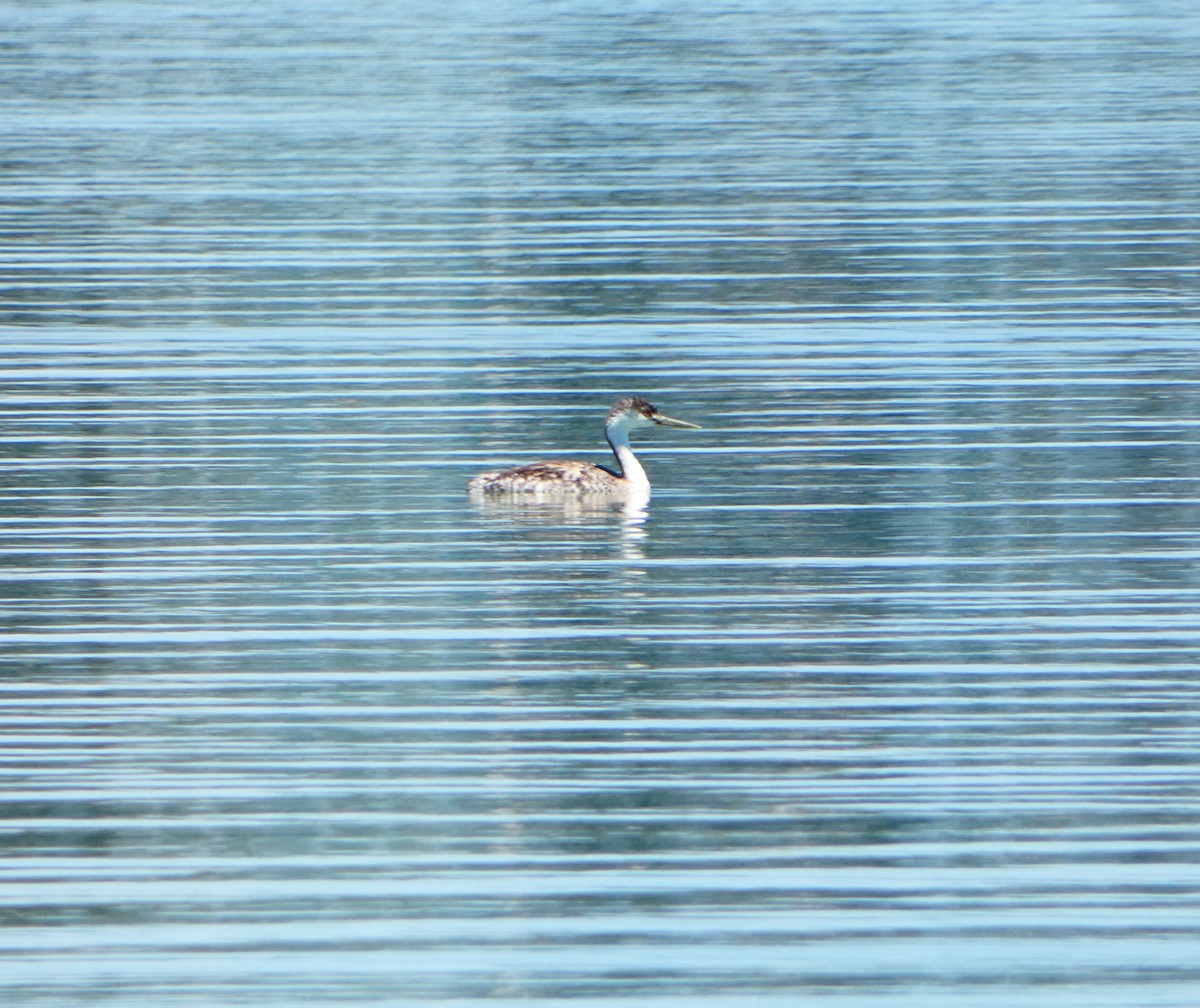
502 160
890 699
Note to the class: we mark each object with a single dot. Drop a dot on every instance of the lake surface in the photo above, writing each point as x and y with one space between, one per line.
889 699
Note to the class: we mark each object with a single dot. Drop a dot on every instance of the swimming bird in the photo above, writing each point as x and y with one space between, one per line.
629 481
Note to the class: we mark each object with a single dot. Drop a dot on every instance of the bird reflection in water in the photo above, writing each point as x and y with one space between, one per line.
572 512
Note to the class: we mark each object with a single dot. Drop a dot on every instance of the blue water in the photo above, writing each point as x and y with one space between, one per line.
890 697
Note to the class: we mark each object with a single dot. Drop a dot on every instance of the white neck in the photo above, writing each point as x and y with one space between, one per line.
631 469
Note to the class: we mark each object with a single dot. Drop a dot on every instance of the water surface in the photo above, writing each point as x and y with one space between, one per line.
889 699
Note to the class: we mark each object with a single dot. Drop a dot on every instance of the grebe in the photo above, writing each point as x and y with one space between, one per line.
578 478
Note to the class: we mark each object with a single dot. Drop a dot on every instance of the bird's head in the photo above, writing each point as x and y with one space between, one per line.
633 412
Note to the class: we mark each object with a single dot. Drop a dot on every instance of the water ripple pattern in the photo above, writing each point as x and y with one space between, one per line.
891 698
888 700
301 165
